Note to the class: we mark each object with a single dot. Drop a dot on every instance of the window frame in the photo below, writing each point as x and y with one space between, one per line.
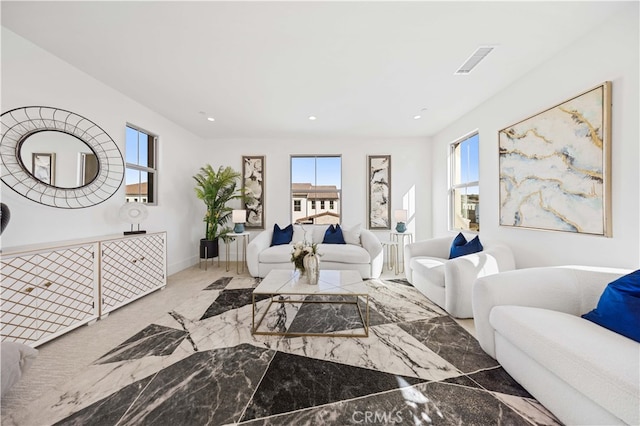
453 186
139 168
316 191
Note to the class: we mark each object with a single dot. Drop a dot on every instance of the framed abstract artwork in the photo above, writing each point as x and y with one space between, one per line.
555 167
379 192
253 172
43 167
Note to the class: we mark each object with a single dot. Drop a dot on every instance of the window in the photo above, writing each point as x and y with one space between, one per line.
316 178
297 205
331 205
464 191
141 171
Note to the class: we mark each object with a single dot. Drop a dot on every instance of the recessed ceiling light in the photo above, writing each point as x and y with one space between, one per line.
417 117
313 117
211 119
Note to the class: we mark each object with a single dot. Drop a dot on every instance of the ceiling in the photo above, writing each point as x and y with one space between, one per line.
363 68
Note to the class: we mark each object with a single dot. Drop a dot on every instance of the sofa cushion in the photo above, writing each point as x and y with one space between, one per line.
619 307
317 233
593 360
300 234
352 235
343 253
431 268
281 236
276 254
333 235
461 247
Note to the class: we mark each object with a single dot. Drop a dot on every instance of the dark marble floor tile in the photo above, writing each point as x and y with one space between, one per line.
400 281
108 411
332 317
219 284
152 340
207 388
498 380
231 299
295 382
435 403
448 339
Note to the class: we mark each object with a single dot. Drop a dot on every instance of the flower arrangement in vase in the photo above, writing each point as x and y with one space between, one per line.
301 250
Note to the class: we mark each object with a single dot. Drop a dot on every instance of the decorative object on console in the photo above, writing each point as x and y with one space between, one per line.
239 218
379 192
216 189
401 219
134 213
312 266
461 247
37 127
301 250
555 167
5 216
253 170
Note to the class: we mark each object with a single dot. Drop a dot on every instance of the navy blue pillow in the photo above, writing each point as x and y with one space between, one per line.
460 246
281 236
619 307
333 235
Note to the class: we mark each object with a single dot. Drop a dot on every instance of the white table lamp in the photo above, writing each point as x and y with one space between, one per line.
239 217
401 219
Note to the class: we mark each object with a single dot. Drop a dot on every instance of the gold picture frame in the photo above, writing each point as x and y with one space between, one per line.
555 167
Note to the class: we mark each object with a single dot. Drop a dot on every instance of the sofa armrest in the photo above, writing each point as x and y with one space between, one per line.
435 247
460 274
571 289
261 242
373 246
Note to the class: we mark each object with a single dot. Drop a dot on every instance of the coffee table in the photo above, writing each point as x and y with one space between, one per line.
337 287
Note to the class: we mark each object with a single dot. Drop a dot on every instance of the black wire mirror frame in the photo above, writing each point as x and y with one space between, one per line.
20 123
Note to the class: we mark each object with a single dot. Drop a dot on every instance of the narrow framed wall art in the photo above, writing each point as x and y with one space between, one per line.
379 192
555 167
253 174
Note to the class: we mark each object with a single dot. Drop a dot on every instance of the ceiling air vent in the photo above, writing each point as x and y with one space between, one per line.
477 56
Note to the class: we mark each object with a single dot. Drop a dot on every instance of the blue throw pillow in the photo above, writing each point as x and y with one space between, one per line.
460 246
619 307
333 235
281 236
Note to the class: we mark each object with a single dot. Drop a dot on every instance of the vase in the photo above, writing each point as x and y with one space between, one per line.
312 266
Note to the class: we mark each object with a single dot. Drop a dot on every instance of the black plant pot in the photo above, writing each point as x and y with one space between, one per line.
208 248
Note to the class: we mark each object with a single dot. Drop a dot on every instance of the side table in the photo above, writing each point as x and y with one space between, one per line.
400 238
244 236
391 252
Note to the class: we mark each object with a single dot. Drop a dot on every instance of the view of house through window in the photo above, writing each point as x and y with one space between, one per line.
140 176
316 189
465 184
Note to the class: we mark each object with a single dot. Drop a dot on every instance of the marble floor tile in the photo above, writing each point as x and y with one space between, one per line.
219 284
452 342
530 409
294 382
387 349
153 340
231 299
400 303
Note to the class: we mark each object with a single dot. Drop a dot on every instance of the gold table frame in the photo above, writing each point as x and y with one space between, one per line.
293 287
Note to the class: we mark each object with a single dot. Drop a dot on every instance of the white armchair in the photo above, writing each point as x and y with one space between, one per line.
448 282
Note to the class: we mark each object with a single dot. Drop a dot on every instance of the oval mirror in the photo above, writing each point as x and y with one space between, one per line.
58 159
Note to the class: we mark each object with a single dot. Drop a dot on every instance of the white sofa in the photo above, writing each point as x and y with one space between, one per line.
448 282
529 320
363 251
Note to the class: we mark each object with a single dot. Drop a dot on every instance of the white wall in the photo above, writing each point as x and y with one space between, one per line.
32 76
410 175
610 52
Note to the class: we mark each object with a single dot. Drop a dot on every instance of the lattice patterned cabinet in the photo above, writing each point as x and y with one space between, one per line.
130 268
47 292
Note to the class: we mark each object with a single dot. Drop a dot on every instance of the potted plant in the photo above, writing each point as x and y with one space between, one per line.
216 189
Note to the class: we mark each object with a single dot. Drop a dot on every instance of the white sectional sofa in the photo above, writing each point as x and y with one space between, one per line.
530 321
447 282
363 251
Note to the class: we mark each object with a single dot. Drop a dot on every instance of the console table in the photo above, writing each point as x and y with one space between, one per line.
50 289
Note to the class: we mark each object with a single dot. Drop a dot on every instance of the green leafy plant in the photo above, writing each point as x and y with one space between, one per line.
216 189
